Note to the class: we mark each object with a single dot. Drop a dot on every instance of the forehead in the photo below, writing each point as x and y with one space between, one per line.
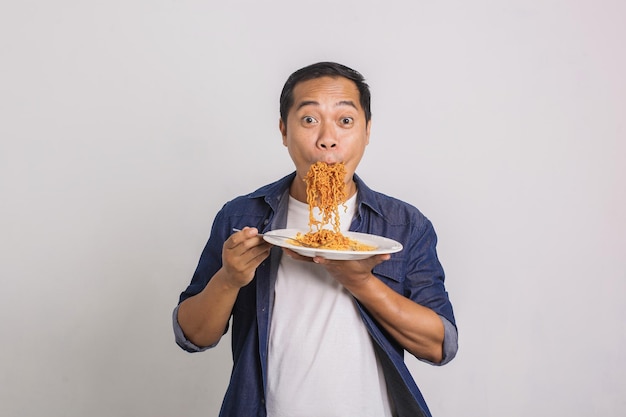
326 90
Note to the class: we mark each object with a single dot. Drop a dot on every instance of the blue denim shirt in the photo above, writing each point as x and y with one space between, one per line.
415 272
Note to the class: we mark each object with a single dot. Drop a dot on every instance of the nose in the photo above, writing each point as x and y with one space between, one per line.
327 138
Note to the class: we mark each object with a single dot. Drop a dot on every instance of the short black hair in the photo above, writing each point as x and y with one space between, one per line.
319 70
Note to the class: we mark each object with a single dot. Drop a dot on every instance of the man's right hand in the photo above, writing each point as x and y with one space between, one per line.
242 253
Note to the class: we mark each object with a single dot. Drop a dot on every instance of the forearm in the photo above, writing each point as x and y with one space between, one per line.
416 328
204 317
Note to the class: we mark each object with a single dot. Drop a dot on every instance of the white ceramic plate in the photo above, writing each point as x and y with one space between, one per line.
382 244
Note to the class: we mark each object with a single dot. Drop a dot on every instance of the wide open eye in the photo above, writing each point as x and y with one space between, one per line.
309 120
346 121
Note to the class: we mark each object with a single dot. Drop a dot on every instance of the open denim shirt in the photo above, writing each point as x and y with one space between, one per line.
415 272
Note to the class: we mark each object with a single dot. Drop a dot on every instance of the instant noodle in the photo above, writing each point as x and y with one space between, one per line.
326 190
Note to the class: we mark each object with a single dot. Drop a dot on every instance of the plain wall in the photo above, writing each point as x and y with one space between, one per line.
125 125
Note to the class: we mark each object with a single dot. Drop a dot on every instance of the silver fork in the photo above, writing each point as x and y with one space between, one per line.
281 237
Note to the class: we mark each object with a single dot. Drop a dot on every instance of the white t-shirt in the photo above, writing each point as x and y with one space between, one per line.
322 361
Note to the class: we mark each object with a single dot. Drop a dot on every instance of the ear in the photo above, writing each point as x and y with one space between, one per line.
368 129
283 130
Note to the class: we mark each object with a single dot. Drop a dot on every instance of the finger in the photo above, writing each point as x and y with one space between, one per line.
247 236
296 256
250 231
247 251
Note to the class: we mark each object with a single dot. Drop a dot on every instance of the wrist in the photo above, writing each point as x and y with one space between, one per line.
363 287
226 281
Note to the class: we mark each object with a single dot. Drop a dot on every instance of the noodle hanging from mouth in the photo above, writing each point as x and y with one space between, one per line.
326 189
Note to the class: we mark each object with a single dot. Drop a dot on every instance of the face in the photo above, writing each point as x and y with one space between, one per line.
326 123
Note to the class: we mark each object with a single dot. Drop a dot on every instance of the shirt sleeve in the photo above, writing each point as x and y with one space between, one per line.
180 338
450 343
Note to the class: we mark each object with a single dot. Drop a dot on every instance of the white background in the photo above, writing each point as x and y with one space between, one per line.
125 125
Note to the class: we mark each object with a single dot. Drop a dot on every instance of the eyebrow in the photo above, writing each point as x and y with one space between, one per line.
315 103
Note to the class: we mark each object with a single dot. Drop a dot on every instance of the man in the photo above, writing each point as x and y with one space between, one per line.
312 336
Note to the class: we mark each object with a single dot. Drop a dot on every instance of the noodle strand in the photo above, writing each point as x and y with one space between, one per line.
326 189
